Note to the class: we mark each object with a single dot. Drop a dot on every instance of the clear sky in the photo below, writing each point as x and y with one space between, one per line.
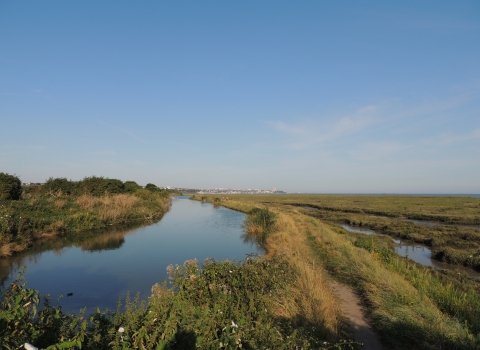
307 96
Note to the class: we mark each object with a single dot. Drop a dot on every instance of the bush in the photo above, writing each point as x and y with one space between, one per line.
21 321
10 187
99 186
60 185
260 223
216 305
152 187
131 186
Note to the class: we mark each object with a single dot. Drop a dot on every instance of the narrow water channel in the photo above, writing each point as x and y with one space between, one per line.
103 269
417 252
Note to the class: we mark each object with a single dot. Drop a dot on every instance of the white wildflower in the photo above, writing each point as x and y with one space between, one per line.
30 347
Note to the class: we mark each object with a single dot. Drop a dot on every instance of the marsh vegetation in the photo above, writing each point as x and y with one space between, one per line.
286 299
61 206
409 305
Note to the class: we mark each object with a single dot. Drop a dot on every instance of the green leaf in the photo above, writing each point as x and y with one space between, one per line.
162 345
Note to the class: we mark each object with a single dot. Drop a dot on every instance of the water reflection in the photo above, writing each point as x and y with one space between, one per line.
91 241
99 269
417 252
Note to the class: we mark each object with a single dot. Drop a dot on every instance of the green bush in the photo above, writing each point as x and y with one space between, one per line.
21 321
152 187
131 186
10 187
219 305
59 185
99 186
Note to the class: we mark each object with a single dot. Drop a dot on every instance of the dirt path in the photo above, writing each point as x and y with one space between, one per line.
360 327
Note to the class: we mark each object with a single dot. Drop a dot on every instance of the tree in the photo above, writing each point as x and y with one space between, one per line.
10 187
99 186
152 187
60 185
131 186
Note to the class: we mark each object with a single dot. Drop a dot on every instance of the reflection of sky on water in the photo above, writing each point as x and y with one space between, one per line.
355 229
417 252
98 278
438 223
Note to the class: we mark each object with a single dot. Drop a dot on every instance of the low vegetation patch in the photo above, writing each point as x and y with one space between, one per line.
410 306
216 305
260 223
60 206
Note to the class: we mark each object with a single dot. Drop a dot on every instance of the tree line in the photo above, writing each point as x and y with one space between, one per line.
11 187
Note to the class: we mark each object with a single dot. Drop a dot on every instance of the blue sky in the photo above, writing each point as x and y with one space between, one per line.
311 96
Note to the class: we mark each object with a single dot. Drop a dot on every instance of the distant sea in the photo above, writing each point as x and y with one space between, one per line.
400 194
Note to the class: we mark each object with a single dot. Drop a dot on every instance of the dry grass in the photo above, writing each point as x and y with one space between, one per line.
312 298
310 301
54 229
60 203
125 201
118 201
403 314
254 230
10 248
399 310
86 201
6 250
112 214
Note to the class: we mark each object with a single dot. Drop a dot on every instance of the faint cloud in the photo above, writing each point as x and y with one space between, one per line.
125 131
310 134
376 151
449 139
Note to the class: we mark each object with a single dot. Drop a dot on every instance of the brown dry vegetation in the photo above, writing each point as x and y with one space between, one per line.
310 301
407 313
39 216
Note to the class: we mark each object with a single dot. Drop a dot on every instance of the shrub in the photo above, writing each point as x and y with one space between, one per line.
57 186
152 187
260 223
211 306
10 187
131 186
99 186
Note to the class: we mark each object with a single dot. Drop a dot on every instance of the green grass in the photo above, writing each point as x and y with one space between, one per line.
38 215
454 210
409 313
216 305
454 245
410 306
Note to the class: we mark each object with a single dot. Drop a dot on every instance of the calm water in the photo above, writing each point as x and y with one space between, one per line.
100 270
417 252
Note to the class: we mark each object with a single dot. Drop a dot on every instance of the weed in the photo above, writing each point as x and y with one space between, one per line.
213 306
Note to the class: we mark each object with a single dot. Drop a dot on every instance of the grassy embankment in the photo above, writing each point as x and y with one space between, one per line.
283 301
454 245
280 302
410 306
64 206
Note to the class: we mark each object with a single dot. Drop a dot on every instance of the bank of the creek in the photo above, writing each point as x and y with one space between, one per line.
103 268
417 252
